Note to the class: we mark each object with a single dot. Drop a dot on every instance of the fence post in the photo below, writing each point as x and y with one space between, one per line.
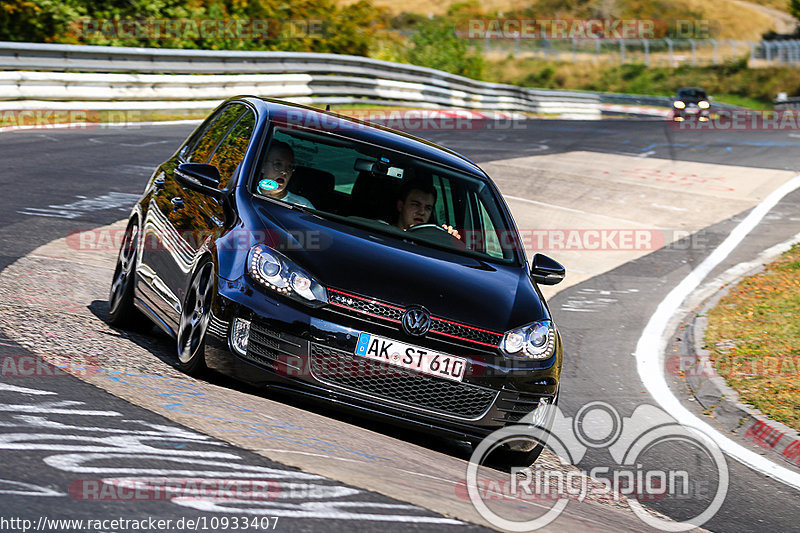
622 51
714 44
694 52
646 44
733 48
574 52
669 46
781 48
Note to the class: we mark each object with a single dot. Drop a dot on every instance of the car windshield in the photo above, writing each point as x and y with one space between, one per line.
385 191
692 93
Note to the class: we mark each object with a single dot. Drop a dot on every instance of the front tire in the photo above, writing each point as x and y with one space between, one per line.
505 457
121 310
195 315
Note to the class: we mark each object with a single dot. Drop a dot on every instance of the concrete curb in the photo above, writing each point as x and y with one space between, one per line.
723 402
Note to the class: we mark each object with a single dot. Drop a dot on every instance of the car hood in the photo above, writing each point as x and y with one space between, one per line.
452 286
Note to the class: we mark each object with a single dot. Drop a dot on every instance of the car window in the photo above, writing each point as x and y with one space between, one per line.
201 152
367 185
691 93
230 152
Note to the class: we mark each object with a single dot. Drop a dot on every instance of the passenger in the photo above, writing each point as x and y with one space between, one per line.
276 173
415 206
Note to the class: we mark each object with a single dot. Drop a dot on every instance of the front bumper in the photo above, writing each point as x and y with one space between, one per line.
311 352
691 113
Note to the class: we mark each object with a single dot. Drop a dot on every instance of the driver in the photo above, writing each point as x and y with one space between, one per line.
415 206
277 171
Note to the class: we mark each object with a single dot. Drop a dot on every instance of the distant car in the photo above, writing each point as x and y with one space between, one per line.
320 293
691 103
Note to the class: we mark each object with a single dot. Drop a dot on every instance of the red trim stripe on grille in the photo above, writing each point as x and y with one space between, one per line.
373 301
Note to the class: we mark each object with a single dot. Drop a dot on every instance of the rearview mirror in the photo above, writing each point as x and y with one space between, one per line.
546 271
373 167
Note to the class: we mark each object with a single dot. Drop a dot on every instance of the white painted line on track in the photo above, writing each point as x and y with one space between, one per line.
24 390
653 342
587 213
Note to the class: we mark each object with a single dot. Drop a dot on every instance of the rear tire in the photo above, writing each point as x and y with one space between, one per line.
195 315
121 310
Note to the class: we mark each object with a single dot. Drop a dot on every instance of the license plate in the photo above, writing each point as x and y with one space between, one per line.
411 357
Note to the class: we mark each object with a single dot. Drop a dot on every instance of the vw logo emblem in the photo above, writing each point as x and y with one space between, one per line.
416 321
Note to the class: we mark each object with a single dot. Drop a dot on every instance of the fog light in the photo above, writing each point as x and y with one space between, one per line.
541 412
240 333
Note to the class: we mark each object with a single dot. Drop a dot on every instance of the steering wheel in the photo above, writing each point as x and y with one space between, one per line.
437 234
420 227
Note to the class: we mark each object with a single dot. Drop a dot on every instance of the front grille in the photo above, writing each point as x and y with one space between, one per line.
368 307
460 331
462 400
394 313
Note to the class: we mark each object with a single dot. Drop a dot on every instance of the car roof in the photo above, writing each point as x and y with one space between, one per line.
359 130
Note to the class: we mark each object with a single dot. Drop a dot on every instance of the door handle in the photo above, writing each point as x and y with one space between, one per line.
177 203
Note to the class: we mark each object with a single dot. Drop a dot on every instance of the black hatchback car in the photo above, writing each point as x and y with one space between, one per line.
691 103
347 262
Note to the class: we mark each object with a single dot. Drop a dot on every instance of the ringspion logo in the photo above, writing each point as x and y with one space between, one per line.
635 469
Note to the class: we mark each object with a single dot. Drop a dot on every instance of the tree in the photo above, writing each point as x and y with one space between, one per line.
436 45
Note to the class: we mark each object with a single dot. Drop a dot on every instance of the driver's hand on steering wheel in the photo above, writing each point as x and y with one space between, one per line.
452 231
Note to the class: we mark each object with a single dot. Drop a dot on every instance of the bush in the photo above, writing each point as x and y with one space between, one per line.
436 45
345 30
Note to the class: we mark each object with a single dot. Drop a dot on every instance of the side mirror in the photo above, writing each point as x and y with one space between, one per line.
199 177
546 271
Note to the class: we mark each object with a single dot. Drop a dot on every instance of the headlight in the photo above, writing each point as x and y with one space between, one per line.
534 341
678 104
271 269
702 104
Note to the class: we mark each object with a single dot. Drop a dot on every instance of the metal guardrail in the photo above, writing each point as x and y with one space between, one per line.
783 51
104 77
787 103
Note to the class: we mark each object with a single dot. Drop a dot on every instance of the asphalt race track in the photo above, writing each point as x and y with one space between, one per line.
60 434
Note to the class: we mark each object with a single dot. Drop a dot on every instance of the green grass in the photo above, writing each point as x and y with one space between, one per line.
742 101
732 82
754 339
